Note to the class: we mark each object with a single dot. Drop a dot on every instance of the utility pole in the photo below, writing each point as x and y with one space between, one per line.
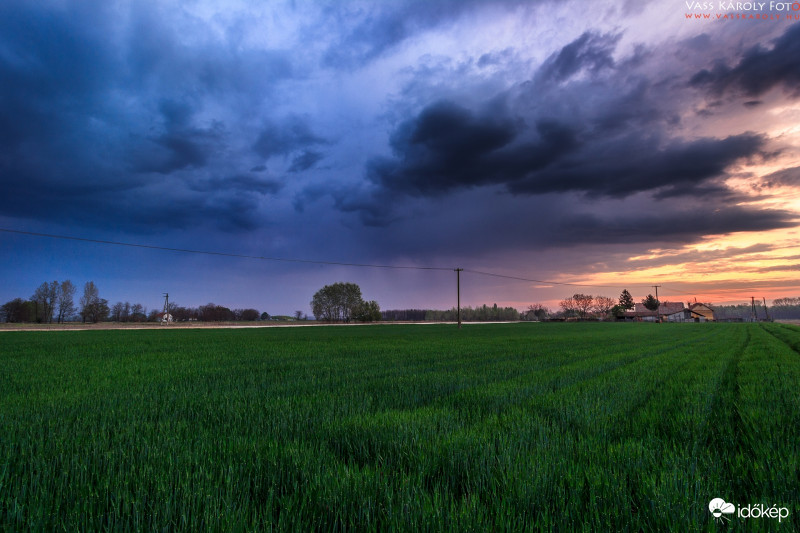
766 312
165 316
658 302
753 307
458 294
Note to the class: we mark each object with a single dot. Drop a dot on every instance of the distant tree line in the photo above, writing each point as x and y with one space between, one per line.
785 308
55 302
781 308
404 315
483 313
212 312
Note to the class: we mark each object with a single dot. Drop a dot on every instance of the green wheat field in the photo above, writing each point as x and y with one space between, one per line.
510 427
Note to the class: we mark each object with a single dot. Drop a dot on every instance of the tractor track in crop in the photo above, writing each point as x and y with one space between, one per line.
778 331
726 437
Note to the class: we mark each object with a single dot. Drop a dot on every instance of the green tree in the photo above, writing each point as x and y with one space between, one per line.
368 312
18 310
338 302
651 303
626 300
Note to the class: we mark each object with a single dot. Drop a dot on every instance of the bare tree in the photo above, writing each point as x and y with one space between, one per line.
538 310
568 306
138 313
45 298
93 308
603 305
583 303
65 302
116 311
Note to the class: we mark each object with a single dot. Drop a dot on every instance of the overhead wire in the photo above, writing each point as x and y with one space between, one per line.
309 261
224 254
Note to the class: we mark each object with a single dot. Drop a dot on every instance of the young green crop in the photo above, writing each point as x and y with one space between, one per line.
578 427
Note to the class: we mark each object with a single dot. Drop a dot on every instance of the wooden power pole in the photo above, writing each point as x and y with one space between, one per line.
458 295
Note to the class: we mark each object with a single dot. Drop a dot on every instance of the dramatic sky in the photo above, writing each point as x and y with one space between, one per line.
605 144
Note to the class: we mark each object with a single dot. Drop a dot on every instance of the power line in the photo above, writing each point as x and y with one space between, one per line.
307 261
223 254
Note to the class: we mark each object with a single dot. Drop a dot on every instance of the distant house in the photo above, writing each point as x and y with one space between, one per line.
640 314
667 312
705 311
684 315
164 317
669 308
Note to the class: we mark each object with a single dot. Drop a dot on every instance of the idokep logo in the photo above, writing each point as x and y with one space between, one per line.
719 508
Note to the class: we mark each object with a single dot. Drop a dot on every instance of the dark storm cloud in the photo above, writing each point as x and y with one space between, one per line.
182 144
591 52
230 212
585 126
51 78
759 69
241 183
101 99
634 164
676 225
305 161
448 147
479 223
290 135
786 177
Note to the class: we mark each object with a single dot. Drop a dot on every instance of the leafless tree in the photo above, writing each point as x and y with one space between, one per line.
568 306
45 298
65 302
116 311
583 303
138 313
93 308
603 305
538 310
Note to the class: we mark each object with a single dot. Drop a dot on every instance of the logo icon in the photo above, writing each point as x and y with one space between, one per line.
719 508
